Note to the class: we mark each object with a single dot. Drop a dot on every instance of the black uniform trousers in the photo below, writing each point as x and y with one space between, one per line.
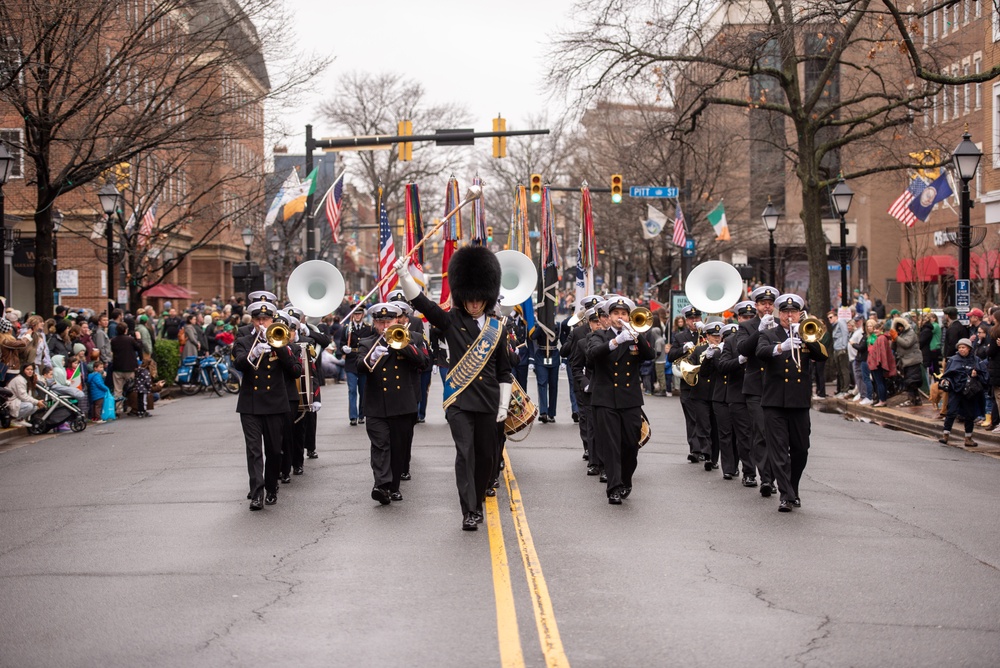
788 447
743 438
587 428
305 436
389 437
475 436
288 443
758 445
264 462
728 458
618 431
698 419
690 420
501 442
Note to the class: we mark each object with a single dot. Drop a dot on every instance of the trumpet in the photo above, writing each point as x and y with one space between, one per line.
809 330
277 335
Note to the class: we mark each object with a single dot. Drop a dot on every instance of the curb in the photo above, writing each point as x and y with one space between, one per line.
901 419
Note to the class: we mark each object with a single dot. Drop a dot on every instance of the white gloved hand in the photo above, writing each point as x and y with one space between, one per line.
345 349
710 353
742 359
688 346
699 325
303 329
506 389
623 337
766 322
258 350
406 283
315 406
790 343
378 351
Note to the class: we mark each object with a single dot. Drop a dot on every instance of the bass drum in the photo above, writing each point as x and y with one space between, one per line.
521 413
646 433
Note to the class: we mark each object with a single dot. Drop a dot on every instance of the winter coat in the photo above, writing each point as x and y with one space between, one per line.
907 346
96 386
993 362
880 355
926 346
956 332
959 370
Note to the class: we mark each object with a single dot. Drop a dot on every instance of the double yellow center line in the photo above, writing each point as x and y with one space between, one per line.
511 655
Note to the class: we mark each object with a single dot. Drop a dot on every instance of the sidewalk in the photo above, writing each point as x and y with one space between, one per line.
922 420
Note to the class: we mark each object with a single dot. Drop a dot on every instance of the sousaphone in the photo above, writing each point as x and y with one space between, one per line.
316 288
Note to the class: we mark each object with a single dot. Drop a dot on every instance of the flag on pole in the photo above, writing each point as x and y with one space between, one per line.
654 223
478 217
76 380
387 251
717 217
99 228
452 233
331 206
298 195
584 284
900 209
279 200
936 191
146 227
680 235
414 234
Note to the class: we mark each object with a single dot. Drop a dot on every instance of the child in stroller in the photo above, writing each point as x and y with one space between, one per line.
58 410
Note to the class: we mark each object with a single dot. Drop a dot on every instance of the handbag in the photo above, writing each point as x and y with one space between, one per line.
973 388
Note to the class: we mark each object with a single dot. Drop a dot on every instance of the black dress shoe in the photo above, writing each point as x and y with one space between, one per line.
576 417
361 420
496 483
395 496
693 458
543 418
708 465
603 478
354 423
552 418
625 492
797 502
727 476
297 471
765 489
586 455
784 507
312 454
256 503
271 499
469 522
593 470
285 478
404 476
503 464
381 495
702 458
490 491
615 499
421 420
749 481
478 514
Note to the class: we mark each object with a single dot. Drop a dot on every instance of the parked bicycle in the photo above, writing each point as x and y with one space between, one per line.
224 354
197 373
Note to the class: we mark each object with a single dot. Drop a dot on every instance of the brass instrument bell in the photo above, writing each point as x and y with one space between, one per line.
277 335
397 337
641 319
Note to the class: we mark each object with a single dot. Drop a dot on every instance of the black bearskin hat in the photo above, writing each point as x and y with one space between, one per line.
474 275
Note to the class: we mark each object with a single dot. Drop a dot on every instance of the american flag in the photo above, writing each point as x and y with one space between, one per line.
148 222
680 238
386 252
334 197
900 209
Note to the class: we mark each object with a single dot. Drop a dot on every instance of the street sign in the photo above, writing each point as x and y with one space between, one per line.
963 296
689 248
653 191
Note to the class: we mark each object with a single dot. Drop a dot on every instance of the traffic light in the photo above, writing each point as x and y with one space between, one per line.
536 188
405 148
489 233
499 143
616 188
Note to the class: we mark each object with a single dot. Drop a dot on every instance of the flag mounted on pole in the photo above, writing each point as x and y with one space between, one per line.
146 227
414 234
291 181
654 223
331 203
478 217
935 192
452 231
386 251
680 234
717 217
900 209
548 263
297 195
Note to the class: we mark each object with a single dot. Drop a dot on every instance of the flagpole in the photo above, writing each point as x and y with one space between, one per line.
329 190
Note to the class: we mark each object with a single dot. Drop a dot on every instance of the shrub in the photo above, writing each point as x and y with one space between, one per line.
167 355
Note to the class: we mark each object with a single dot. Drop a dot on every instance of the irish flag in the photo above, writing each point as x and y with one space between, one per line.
297 195
76 380
717 217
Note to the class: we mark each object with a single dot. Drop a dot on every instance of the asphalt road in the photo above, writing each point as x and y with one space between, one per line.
131 545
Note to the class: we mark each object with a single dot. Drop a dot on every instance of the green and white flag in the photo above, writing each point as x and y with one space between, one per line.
717 217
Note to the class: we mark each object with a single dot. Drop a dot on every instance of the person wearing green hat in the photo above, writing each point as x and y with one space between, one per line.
146 337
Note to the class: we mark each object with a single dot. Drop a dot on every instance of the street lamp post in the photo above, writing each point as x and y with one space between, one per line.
966 159
770 217
247 235
57 221
6 167
110 198
842 196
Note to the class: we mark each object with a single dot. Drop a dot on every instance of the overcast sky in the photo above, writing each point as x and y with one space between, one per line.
487 56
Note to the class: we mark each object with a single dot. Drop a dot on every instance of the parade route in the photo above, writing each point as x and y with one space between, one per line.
131 544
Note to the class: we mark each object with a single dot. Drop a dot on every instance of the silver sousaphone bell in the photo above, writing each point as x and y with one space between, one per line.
518 277
713 286
316 288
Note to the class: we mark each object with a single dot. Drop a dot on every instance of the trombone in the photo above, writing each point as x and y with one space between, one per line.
277 335
640 321
396 337
809 330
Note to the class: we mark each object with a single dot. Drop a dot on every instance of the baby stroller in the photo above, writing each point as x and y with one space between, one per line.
58 409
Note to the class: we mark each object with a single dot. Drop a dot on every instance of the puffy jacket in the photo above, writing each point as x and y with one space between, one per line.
907 344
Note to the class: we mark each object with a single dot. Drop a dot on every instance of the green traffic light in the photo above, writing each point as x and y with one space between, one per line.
536 197
616 198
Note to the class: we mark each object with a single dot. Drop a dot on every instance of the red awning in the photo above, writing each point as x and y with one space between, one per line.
169 291
985 265
926 269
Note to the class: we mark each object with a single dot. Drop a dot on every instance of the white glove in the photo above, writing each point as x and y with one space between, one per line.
789 343
688 346
406 283
700 325
315 406
623 337
304 329
506 389
378 351
345 349
766 322
258 350
742 359
710 353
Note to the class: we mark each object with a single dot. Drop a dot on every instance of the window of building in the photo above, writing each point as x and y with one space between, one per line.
862 266
12 139
956 96
995 16
957 14
977 67
996 125
966 88
927 24
10 62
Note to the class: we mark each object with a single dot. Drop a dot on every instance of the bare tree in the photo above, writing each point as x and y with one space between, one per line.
827 75
103 83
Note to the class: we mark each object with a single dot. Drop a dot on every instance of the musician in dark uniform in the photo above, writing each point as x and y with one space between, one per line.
416 329
714 379
734 365
753 380
546 371
512 353
683 343
288 444
480 382
787 399
350 339
616 395
262 403
253 297
305 428
390 400
574 352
